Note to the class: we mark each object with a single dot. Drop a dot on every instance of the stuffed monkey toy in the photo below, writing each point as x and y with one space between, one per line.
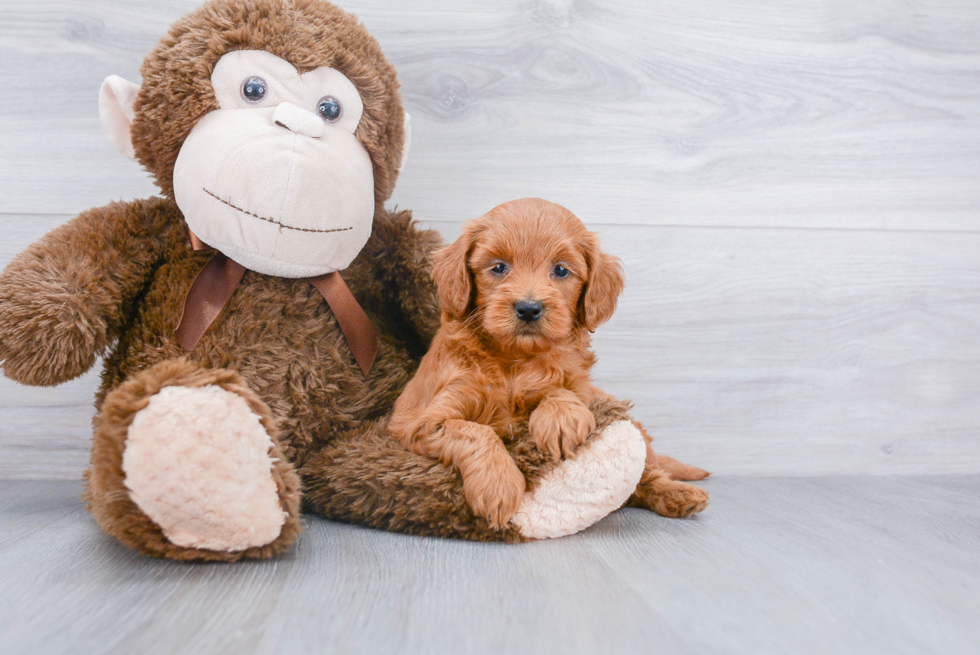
258 319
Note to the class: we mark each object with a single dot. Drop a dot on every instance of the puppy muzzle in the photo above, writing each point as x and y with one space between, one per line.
528 311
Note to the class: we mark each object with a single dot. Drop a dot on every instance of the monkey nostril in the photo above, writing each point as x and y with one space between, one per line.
298 121
528 310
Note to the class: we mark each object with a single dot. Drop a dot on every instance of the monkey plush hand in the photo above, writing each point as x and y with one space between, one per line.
258 320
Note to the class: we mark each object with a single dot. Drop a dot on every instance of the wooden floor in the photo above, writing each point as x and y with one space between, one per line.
775 565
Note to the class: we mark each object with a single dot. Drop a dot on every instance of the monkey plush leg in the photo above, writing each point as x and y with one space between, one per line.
580 491
186 465
368 477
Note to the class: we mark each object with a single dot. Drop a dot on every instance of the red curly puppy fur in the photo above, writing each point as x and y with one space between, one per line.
521 290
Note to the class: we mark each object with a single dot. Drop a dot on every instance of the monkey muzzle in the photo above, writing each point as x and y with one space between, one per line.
276 189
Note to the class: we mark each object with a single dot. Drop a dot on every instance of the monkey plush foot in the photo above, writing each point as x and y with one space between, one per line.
186 465
580 491
197 463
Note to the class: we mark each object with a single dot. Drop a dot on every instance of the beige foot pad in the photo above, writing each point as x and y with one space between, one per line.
583 490
197 463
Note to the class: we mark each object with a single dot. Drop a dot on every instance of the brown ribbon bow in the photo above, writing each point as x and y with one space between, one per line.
217 281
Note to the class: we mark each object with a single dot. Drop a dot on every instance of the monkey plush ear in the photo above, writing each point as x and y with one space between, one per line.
116 99
407 143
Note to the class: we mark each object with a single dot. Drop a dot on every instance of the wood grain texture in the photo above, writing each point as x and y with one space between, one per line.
805 352
819 565
793 187
746 351
805 113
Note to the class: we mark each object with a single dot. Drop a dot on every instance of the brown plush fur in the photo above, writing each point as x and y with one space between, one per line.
380 481
488 370
112 281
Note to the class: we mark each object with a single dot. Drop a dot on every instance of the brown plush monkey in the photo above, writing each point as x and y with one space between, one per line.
239 368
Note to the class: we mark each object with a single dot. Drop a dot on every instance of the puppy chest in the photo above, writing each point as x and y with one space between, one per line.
526 385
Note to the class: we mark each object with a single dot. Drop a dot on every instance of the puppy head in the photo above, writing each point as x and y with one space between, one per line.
529 274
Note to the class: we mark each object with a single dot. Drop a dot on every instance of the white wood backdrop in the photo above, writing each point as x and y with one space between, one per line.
794 187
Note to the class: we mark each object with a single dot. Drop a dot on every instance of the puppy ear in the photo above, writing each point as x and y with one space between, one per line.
452 273
602 287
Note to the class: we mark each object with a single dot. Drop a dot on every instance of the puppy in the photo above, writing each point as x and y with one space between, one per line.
521 289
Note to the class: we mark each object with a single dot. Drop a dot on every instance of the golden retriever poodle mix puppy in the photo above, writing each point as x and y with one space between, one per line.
521 291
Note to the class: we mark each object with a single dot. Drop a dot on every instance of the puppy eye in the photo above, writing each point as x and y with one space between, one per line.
560 271
499 268
329 109
254 90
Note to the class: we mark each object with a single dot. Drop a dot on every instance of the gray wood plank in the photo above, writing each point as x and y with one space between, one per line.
747 351
742 348
45 434
805 352
809 352
812 113
818 565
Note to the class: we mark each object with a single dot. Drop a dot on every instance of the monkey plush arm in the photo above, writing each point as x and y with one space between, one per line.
64 300
403 256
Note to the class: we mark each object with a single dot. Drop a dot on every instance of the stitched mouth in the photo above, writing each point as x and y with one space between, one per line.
272 220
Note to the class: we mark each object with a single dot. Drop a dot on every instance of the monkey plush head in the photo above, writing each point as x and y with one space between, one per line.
275 125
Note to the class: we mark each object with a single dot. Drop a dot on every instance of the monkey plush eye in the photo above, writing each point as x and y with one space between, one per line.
329 109
254 90
560 271
499 268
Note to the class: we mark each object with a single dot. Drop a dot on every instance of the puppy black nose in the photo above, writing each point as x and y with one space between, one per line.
528 310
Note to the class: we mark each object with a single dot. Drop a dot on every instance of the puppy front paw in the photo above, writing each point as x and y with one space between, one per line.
494 488
560 425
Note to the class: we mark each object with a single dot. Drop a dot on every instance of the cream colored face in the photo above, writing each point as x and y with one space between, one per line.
275 179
